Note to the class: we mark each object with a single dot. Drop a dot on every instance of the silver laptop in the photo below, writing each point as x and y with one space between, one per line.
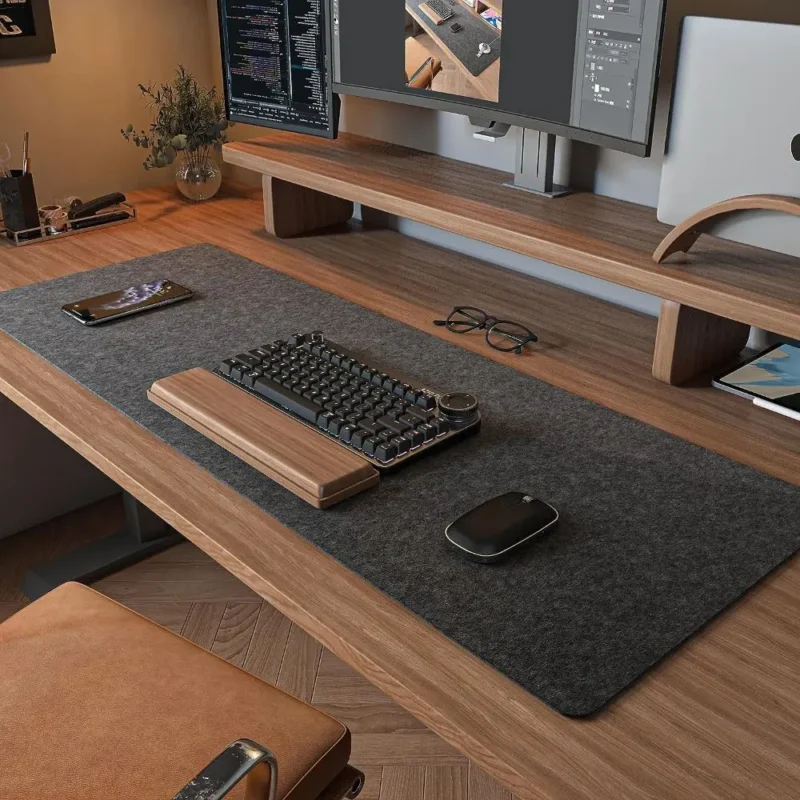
735 127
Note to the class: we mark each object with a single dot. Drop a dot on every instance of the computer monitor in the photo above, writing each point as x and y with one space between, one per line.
275 64
734 128
585 69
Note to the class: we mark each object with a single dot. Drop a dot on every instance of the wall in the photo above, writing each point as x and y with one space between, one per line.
75 103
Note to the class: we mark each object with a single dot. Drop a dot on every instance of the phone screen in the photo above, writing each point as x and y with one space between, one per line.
127 301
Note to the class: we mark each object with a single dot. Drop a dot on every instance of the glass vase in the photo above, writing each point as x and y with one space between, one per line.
198 177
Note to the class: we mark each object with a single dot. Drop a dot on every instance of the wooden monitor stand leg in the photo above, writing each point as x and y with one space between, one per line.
690 342
291 210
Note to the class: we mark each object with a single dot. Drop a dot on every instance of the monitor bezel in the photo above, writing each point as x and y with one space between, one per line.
334 103
487 110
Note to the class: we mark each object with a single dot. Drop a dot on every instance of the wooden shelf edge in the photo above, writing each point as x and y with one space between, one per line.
603 261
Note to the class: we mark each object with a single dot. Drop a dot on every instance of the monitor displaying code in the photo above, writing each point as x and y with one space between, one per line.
275 64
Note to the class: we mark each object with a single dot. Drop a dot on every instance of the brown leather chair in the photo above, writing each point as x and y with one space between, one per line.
99 703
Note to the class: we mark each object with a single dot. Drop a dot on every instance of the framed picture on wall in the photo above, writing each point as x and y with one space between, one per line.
26 29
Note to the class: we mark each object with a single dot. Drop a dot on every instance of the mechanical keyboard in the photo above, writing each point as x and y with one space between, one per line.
363 407
441 9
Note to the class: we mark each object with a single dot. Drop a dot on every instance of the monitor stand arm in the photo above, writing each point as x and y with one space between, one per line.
535 161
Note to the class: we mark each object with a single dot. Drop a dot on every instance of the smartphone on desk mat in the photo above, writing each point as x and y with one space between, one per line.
124 303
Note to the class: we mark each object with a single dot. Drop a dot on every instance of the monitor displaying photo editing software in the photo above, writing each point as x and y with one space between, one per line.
582 68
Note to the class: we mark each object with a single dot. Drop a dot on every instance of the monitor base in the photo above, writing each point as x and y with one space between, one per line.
558 190
535 159
535 165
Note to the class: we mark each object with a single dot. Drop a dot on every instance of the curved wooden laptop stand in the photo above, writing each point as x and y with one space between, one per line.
683 237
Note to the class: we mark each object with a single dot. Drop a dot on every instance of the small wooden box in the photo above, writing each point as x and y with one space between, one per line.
302 460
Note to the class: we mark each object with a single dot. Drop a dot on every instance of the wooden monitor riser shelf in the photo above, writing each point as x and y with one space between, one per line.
721 284
716 720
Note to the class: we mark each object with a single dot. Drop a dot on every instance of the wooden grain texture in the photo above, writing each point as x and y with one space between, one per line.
402 783
298 672
290 209
235 632
316 469
447 783
684 236
690 342
481 785
600 236
268 645
719 719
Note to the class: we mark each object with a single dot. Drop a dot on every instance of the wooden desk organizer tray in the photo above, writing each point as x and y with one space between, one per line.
311 466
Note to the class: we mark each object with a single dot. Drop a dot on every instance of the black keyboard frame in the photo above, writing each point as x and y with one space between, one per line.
452 436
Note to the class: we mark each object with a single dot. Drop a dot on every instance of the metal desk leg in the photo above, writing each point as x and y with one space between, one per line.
144 534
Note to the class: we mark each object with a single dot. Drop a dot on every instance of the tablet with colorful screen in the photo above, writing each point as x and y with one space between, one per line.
773 375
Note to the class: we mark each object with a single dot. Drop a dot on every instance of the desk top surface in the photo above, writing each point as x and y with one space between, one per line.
719 719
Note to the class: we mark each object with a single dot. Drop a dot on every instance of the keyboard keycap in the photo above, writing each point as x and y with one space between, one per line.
247 360
428 431
226 366
284 397
442 426
415 437
386 452
323 420
409 421
359 437
251 377
347 431
411 396
371 426
421 414
402 443
426 402
396 425
238 371
335 426
370 445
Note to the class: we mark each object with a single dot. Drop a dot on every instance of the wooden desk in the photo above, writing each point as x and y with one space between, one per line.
720 719
487 84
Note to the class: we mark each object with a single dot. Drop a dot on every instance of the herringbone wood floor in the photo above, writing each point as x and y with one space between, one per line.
184 590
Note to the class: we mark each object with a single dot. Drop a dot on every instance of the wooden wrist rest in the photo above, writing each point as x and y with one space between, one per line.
300 459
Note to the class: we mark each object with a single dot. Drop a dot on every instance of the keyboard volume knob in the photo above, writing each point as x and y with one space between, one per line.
458 409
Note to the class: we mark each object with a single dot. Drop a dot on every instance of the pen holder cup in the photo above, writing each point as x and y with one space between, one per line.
18 201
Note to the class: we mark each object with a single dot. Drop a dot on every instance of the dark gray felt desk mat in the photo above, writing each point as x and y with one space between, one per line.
656 536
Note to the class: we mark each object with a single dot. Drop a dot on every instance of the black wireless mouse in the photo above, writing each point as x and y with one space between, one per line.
495 530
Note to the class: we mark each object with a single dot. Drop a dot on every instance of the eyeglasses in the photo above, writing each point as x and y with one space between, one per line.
501 334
